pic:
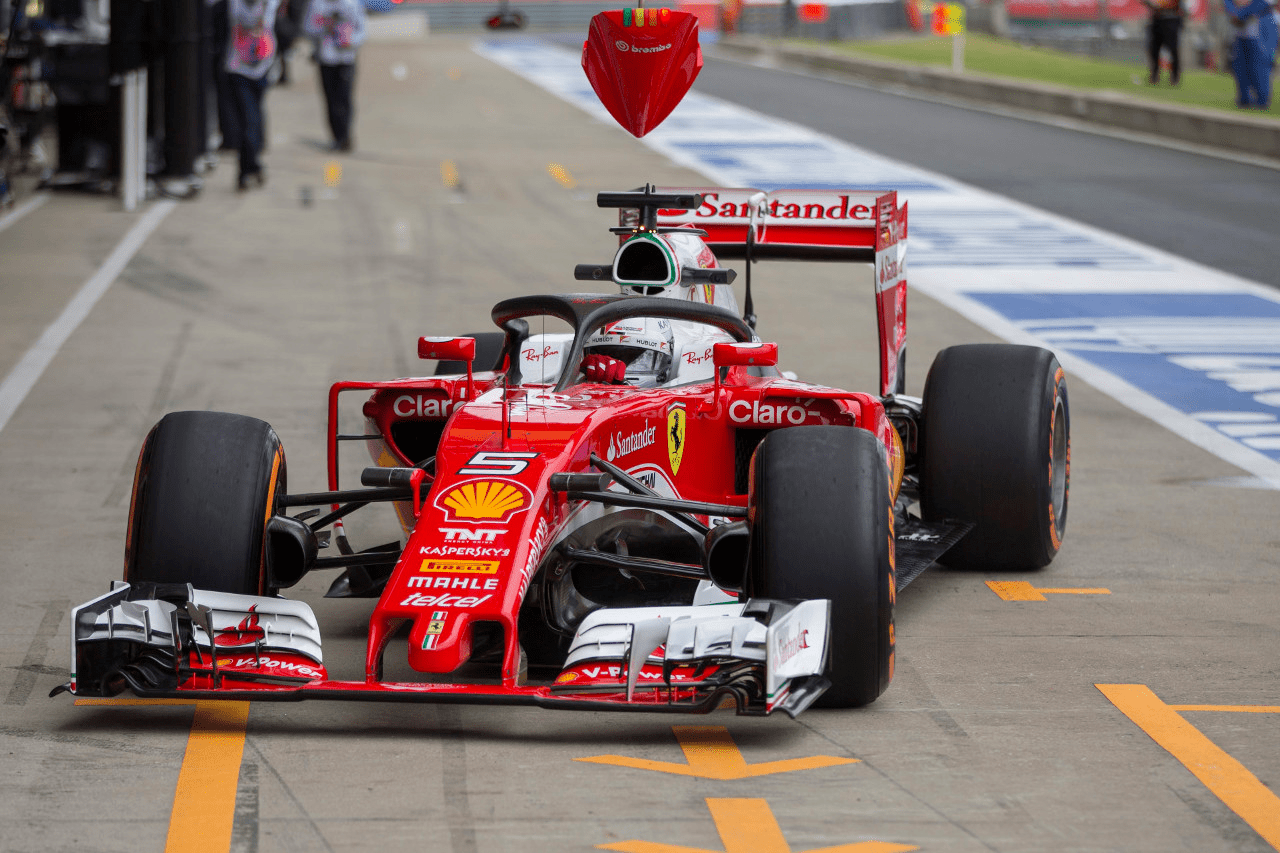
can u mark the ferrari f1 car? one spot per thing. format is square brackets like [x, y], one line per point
[682, 529]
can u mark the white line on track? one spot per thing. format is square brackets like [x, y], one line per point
[33, 203]
[23, 377]
[1263, 467]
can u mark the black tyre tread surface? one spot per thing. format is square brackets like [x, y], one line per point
[488, 354]
[823, 529]
[986, 458]
[201, 502]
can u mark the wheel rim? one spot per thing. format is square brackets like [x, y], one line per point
[1059, 465]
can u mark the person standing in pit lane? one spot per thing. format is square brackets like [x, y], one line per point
[251, 50]
[1252, 51]
[338, 26]
[1163, 33]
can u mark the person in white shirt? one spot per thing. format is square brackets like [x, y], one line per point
[251, 49]
[338, 26]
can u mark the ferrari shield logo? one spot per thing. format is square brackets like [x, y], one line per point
[675, 437]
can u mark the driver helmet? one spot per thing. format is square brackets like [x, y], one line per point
[644, 344]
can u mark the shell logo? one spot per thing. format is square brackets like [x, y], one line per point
[484, 501]
[566, 677]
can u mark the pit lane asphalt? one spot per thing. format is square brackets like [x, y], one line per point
[992, 737]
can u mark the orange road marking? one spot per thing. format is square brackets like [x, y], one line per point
[204, 802]
[1228, 779]
[1239, 709]
[710, 753]
[561, 175]
[1023, 591]
[748, 826]
[449, 174]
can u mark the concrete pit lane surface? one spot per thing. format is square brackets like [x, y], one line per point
[1124, 698]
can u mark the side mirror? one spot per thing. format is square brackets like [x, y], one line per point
[744, 355]
[450, 349]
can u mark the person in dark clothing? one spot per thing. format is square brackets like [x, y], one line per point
[251, 50]
[288, 28]
[1163, 33]
[221, 33]
[338, 26]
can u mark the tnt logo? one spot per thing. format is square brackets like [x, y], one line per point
[464, 534]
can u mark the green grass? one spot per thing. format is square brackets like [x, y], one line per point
[989, 55]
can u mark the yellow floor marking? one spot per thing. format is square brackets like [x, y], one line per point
[332, 173]
[449, 174]
[1023, 591]
[748, 826]
[1228, 779]
[204, 802]
[712, 754]
[1239, 709]
[562, 176]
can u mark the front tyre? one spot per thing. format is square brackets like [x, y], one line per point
[822, 527]
[996, 451]
[206, 485]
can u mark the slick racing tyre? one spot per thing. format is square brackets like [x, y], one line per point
[822, 527]
[996, 451]
[488, 355]
[205, 487]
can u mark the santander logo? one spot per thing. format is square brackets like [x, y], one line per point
[792, 646]
[623, 445]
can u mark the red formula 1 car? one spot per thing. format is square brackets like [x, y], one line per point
[638, 511]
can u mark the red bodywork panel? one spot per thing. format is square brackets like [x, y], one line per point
[641, 62]
[489, 515]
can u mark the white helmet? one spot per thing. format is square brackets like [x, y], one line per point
[645, 344]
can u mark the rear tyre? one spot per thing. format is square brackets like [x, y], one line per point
[996, 451]
[205, 487]
[822, 527]
[488, 355]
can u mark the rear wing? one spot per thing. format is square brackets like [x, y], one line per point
[814, 225]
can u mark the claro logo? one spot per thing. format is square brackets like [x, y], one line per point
[421, 406]
[743, 412]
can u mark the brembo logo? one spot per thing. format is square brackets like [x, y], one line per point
[623, 47]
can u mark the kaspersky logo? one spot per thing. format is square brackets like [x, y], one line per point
[484, 501]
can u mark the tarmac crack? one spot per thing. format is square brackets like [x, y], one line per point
[453, 748]
[264, 762]
[33, 663]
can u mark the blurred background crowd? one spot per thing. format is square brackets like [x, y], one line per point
[67, 62]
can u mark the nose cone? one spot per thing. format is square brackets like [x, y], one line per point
[641, 62]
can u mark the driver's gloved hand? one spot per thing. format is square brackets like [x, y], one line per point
[601, 368]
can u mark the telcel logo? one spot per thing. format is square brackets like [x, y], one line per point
[742, 412]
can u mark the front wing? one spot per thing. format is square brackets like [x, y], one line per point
[172, 640]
